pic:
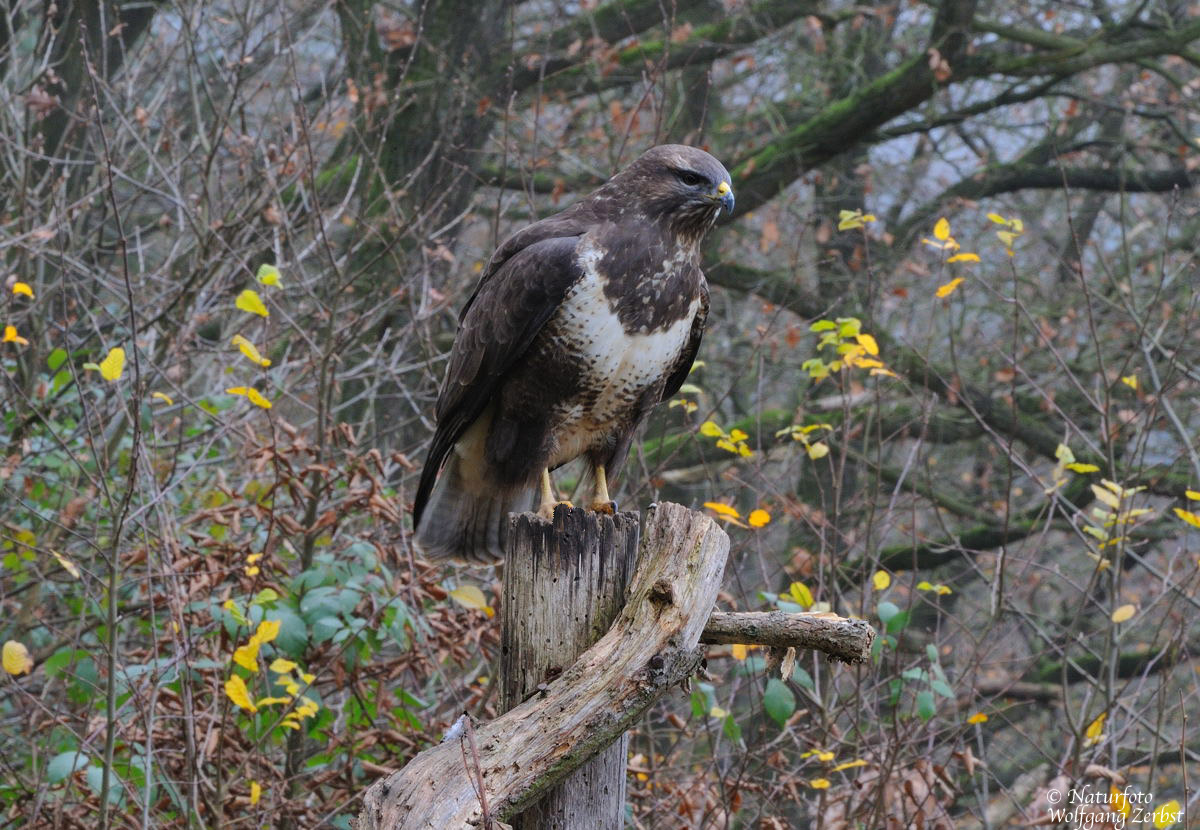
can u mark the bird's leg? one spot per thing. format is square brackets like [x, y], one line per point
[549, 499]
[601, 503]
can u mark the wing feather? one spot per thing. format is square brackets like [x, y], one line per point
[511, 304]
[688, 356]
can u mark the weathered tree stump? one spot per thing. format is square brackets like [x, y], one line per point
[651, 646]
[564, 584]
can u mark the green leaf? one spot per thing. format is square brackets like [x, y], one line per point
[803, 679]
[95, 778]
[823, 325]
[266, 596]
[778, 701]
[65, 764]
[942, 688]
[887, 611]
[926, 707]
[56, 359]
[931, 652]
[731, 729]
[326, 628]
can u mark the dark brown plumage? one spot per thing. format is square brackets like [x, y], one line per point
[579, 325]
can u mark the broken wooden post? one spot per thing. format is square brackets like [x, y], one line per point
[564, 584]
[653, 645]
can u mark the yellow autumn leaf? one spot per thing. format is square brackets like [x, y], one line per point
[162, 396]
[964, 257]
[723, 510]
[1118, 801]
[236, 691]
[758, 518]
[67, 564]
[251, 394]
[250, 351]
[949, 245]
[1188, 516]
[819, 783]
[281, 666]
[737, 435]
[268, 275]
[255, 792]
[247, 656]
[249, 301]
[801, 595]
[978, 717]
[307, 678]
[817, 450]
[997, 218]
[881, 580]
[849, 765]
[941, 230]
[472, 597]
[1166, 815]
[739, 651]
[1095, 730]
[1125, 612]
[1192, 494]
[1107, 496]
[307, 708]
[718, 712]
[113, 366]
[15, 658]
[22, 288]
[11, 336]
[268, 630]
[711, 430]
[867, 342]
[1077, 467]
[272, 701]
[1131, 381]
[949, 288]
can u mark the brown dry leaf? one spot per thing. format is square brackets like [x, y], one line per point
[770, 235]
[41, 102]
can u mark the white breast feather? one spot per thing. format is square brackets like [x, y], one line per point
[621, 365]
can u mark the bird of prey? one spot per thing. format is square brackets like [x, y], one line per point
[579, 325]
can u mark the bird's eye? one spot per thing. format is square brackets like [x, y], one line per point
[689, 178]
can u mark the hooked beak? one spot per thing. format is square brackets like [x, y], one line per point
[724, 195]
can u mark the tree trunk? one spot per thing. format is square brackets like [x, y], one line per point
[565, 582]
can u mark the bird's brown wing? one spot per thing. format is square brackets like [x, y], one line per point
[686, 358]
[505, 314]
[573, 222]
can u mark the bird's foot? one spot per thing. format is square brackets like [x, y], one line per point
[546, 510]
[608, 508]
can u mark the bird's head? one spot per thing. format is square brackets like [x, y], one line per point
[684, 185]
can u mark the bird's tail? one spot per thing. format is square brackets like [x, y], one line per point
[466, 518]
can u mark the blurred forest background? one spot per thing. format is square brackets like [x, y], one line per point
[234, 238]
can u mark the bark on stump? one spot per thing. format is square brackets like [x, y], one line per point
[565, 582]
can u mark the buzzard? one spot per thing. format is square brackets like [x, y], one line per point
[579, 325]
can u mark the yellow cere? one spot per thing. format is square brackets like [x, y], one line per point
[722, 188]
